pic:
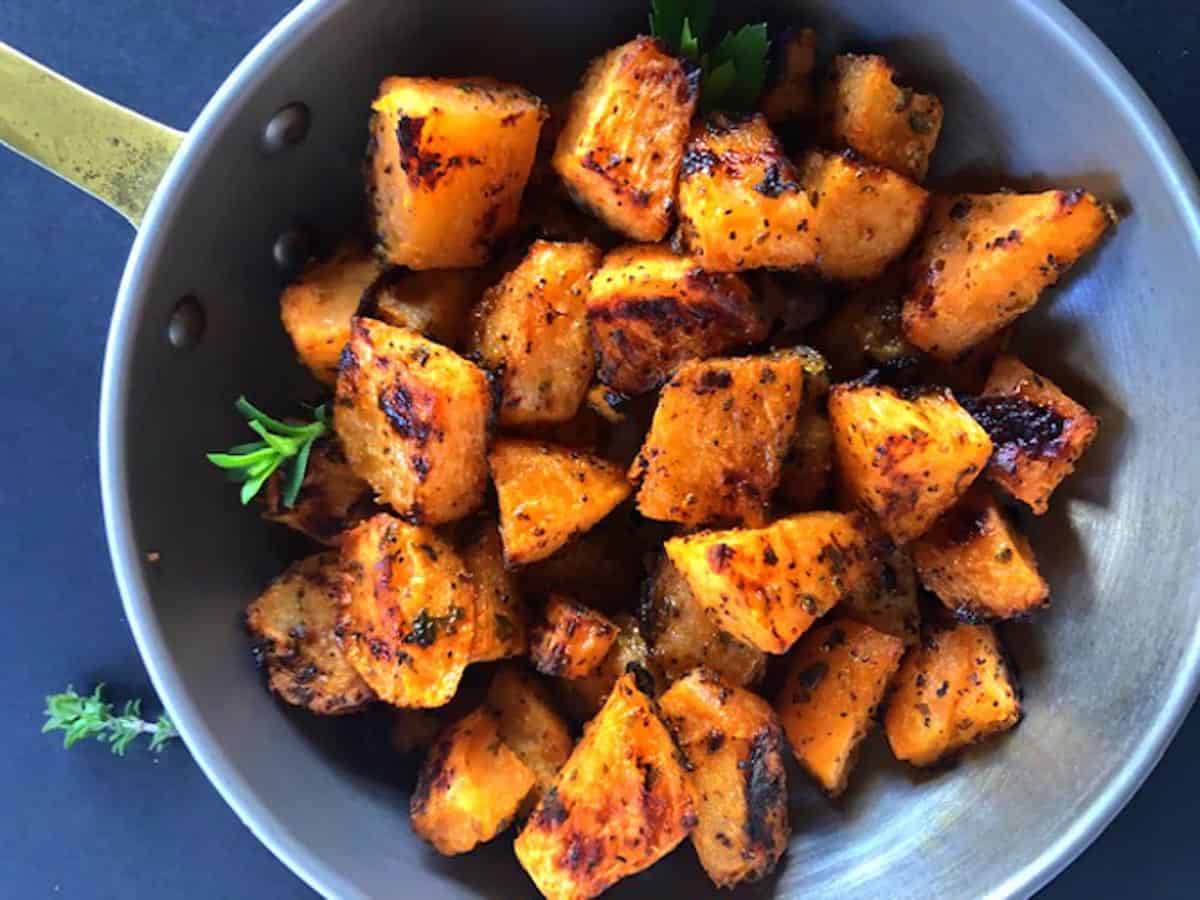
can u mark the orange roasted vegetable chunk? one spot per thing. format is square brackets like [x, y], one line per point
[621, 803]
[720, 432]
[572, 639]
[449, 158]
[293, 627]
[412, 417]
[807, 470]
[893, 608]
[531, 332]
[549, 495]
[530, 725]
[684, 637]
[861, 216]
[583, 697]
[790, 95]
[1038, 431]
[620, 149]
[907, 461]
[470, 786]
[408, 614]
[331, 499]
[500, 615]
[766, 586]
[744, 205]
[978, 564]
[836, 678]
[985, 258]
[869, 112]
[734, 744]
[317, 307]
[953, 689]
[651, 310]
[435, 302]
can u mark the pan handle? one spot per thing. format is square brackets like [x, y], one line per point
[113, 153]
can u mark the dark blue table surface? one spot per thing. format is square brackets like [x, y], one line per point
[83, 824]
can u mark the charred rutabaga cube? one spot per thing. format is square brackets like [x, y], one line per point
[720, 432]
[867, 110]
[622, 802]
[735, 748]
[620, 150]
[331, 499]
[984, 259]
[293, 626]
[531, 332]
[651, 310]
[766, 586]
[409, 612]
[953, 689]
[317, 307]
[449, 158]
[1039, 433]
[906, 460]
[412, 417]
[744, 205]
[501, 620]
[470, 786]
[435, 302]
[531, 725]
[684, 637]
[836, 679]
[549, 495]
[572, 639]
[978, 564]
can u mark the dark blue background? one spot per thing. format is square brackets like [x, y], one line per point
[83, 824]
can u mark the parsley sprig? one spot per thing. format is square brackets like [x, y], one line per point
[252, 464]
[90, 716]
[734, 71]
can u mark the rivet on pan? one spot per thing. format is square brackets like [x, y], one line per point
[287, 127]
[293, 248]
[186, 325]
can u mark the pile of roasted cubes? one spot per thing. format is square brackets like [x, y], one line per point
[590, 419]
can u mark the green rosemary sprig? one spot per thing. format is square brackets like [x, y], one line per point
[252, 464]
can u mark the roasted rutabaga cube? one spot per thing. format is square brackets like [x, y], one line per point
[651, 310]
[766, 586]
[549, 495]
[412, 417]
[985, 258]
[572, 639]
[953, 689]
[977, 563]
[583, 697]
[684, 637]
[893, 609]
[530, 725]
[790, 94]
[449, 158]
[501, 627]
[293, 626]
[735, 748]
[869, 112]
[331, 499]
[317, 307]
[720, 432]
[470, 786]
[744, 205]
[408, 617]
[531, 332]
[836, 679]
[622, 802]
[620, 149]
[905, 460]
[1039, 433]
[435, 302]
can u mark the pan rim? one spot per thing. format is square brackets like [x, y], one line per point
[1049, 16]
